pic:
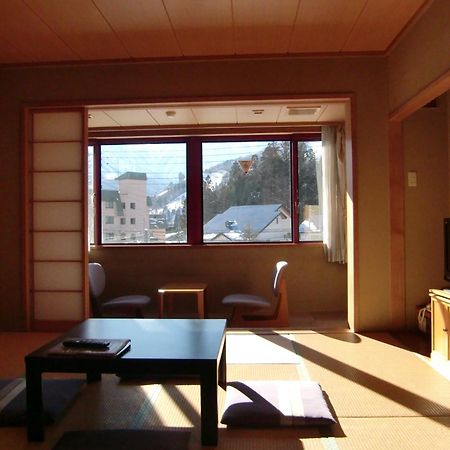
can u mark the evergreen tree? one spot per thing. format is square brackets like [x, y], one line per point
[307, 178]
[268, 181]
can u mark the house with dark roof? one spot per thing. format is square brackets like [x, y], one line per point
[250, 223]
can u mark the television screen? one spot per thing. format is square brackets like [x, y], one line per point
[447, 249]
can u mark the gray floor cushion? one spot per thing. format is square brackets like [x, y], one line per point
[124, 440]
[275, 403]
[57, 395]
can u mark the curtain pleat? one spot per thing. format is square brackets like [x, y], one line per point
[334, 194]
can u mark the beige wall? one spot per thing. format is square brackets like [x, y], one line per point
[227, 270]
[425, 152]
[317, 284]
[422, 56]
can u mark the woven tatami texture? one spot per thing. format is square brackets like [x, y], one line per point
[367, 378]
[412, 433]
[384, 397]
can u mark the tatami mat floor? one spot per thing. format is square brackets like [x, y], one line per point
[384, 395]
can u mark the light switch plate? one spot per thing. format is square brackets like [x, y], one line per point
[412, 178]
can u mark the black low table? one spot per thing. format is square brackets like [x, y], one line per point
[160, 347]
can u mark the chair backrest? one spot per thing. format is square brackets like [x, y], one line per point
[278, 273]
[97, 279]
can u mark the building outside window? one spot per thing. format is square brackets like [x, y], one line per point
[151, 179]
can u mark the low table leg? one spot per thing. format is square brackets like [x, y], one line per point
[35, 410]
[223, 368]
[208, 411]
[93, 376]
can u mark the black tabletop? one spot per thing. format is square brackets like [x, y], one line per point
[174, 339]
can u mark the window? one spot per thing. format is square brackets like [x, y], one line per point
[310, 190]
[151, 179]
[246, 191]
[208, 191]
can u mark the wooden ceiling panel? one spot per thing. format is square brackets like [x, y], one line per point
[25, 36]
[379, 24]
[324, 26]
[81, 26]
[43, 31]
[202, 27]
[9, 53]
[142, 26]
[263, 27]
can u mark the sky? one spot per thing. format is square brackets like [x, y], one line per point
[163, 162]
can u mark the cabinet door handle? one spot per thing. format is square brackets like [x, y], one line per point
[445, 329]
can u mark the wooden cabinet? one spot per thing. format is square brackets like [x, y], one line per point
[440, 325]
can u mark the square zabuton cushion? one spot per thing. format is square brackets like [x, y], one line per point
[275, 403]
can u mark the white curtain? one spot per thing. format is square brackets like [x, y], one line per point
[334, 194]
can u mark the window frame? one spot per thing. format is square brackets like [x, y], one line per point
[194, 185]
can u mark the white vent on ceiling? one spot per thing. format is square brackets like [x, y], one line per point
[303, 110]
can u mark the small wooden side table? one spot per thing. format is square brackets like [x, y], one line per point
[183, 288]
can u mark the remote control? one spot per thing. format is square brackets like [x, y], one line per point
[86, 343]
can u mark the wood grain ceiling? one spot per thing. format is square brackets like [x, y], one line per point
[50, 31]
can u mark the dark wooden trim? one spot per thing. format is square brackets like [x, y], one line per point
[194, 195]
[201, 58]
[85, 224]
[26, 218]
[206, 131]
[295, 194]
[97, 182]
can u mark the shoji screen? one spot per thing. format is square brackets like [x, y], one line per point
[56, 222]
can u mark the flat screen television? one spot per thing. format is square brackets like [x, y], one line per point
[447, 249]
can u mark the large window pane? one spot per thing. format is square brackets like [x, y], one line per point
[143, 193]
[310, 190]
[246, 192]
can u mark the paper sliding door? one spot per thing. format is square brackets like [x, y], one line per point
[56, 287]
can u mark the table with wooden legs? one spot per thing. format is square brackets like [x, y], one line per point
[170, 289]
